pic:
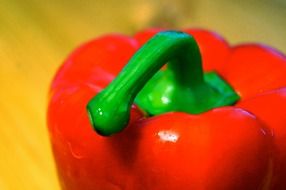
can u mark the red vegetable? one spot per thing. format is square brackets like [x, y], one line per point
[205, 139]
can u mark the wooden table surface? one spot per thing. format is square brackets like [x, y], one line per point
[36, 36]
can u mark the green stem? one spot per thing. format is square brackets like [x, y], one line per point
[109, 110]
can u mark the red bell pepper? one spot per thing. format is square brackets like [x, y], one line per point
[221, 130]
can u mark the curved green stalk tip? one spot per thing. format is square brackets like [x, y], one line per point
[107, 118]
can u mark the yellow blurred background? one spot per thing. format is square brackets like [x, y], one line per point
[36, 36]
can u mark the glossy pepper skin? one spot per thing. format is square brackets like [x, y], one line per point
[226, 148]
